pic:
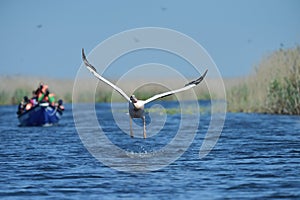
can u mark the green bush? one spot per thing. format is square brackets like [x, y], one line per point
[103, 96]
[238, 98]
[274, 88]
[67, 97]
[18, 95]
[4, 97]
[284, 95]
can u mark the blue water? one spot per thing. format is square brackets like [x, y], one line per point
[256, 157]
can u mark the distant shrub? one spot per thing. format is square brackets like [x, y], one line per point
[284, 95]
[18, 95]
[67, 97]
[103, 96]
[238, 98]
[274, 88]
[4, 97]
[206, 96]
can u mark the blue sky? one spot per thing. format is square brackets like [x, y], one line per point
[44, 38]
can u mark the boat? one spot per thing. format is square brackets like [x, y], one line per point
[42, 114]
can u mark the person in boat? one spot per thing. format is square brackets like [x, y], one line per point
[49, 97]
[44, 95]
[33, 99]
[25, 105]
[60, 106]
[22, 105]
[41, 92]
[29, 105]
[38, 90]
[40, 95]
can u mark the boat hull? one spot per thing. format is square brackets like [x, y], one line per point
[40, 115]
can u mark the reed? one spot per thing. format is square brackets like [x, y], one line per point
[4, 97]
[14, 88]
[273, 87]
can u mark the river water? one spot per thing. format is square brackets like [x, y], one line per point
[257, 156]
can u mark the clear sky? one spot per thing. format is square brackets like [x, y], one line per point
[44, 38]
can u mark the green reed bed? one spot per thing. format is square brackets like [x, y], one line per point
[274, 87]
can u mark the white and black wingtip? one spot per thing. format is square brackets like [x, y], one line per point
[197, 81]
[86, 62]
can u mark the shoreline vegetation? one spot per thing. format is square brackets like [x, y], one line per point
[272, 87]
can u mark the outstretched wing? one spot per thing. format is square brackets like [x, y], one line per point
[94, 72]
[186, 87]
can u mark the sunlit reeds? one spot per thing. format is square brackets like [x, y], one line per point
[274, 86]
[14, 88]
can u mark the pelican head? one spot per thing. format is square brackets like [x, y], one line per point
[133, 99]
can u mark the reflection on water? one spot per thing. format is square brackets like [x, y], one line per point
[257, 156]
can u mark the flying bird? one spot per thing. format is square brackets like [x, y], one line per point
[136, 106]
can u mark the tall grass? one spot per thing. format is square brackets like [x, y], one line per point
[4, 97]
[19, 94]
[14, 88]
[274, 87]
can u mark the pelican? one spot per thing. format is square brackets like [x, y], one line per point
[136, 106]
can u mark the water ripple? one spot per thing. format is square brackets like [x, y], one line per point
[257, 157]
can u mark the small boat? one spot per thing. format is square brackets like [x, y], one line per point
[42, 114]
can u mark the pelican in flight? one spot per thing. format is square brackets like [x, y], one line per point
[136, 106]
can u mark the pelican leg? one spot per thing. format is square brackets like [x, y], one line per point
[130, 122]
[144, 120]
